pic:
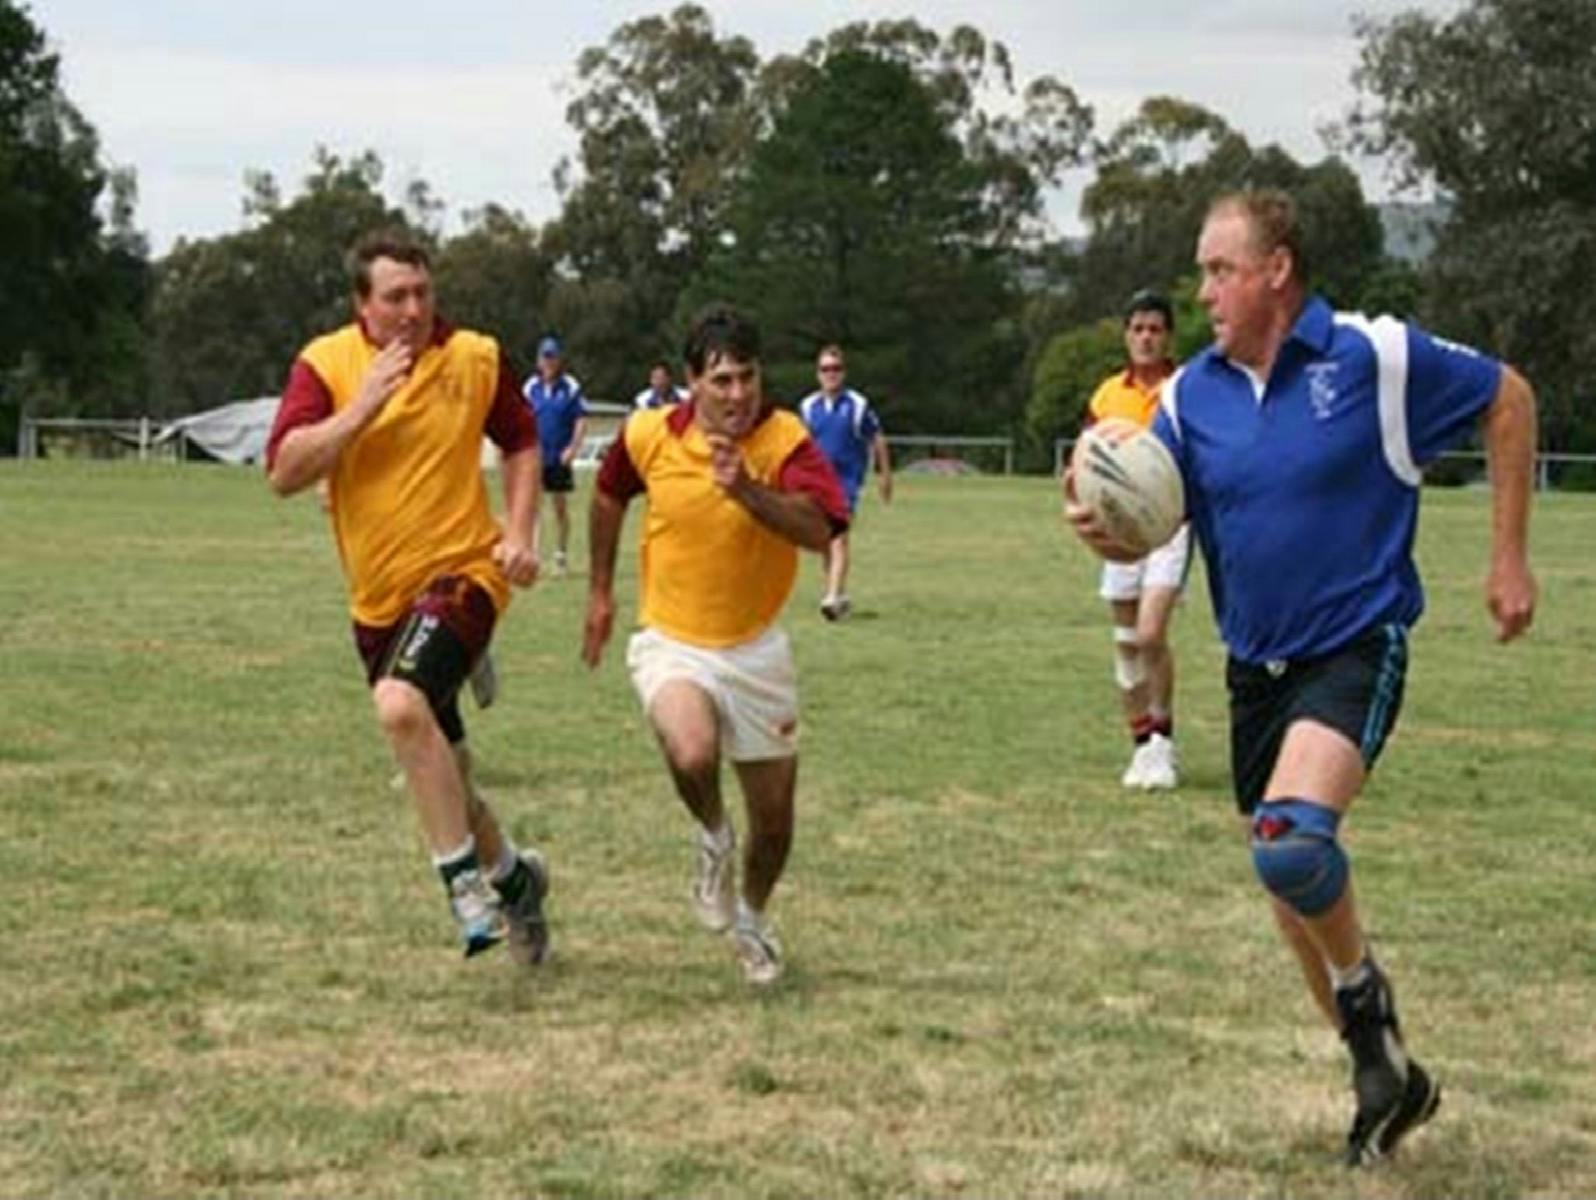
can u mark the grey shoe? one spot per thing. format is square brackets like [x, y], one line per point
[484, 680]
[715, 888]
[758, 951]
[477, 912]
[526, 927]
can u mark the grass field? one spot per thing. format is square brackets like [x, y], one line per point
[226, 968]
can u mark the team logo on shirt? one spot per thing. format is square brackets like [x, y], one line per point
[1322, 388]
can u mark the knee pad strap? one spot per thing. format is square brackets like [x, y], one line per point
[1295, 852]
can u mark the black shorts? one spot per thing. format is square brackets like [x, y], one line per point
[558, 478]
[1356, 690]
[433, 646]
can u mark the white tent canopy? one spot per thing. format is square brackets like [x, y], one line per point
[234, 433]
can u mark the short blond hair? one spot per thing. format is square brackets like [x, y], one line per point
[835, 351]
[1271, 214]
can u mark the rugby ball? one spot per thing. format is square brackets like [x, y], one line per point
[1128, 477]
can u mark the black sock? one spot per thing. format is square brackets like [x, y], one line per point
[452, 868]
[514, 885]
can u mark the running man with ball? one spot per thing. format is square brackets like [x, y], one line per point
[1300, 434]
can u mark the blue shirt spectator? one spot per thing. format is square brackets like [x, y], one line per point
[845, 427]
[557, 403]
[660, 390]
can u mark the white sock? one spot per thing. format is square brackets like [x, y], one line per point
[1352, 977]
[448, 857]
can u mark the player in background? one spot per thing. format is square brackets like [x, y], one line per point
[848, 431]
[735, 488]
[556, 400]
[391, 410]
[1141, 594]
[1300, 434]
[661, 389]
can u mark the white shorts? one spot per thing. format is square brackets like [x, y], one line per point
[753, 686]
[1165, 567]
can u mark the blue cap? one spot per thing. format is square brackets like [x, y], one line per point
[550, 347]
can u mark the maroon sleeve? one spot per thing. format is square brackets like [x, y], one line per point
[305, 401]
[510, 424]
[617, 476]
[807, 470]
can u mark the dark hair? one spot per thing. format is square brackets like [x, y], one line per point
[1272, 216]
[835, 351]
[387, 243]
[720, 331]
[661, 364]
[1147, 300]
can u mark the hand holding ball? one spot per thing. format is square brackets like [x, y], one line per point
[1128, 480]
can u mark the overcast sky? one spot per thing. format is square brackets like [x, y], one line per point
[470, 96]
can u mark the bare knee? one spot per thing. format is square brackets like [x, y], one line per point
[692, 751]
[402, 711]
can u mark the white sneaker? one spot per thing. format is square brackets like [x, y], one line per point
[715, 889]
[757, 948]
[1136, 774]
[1160, 773]
[476, 911]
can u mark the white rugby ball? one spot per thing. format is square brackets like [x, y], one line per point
[1129, 478]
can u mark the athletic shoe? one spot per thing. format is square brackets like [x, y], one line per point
[1158, 772]
[715, 889]
[559, 564]
[484, 681]
[757, 949]
[1394, 1094]
[1135, 776]
[1374, 1137]
[836, 608]
[477, 912]
[526, 928]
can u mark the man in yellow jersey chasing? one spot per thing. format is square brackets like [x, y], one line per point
[391, 410]
[735, 487]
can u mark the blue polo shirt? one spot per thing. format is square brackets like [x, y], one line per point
[844, 429]
[558, 407]
[1303, 489]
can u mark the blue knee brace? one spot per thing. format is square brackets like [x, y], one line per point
[1295, 851]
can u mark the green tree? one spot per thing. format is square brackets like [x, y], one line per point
[665, 122]
[496, 277]
[1075, 361]
[1495, 109]
[669, 116]
[1157, 174]
[1067, 374]
[862, 220]
[1021, 141]
[229, 313]
[71, 339]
